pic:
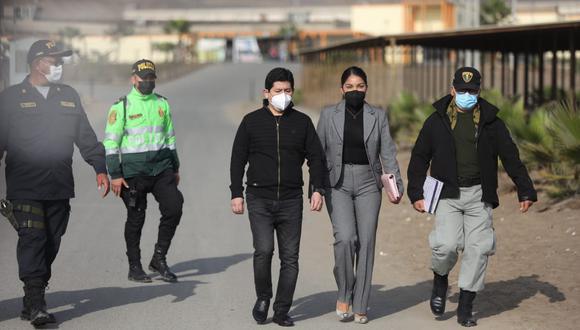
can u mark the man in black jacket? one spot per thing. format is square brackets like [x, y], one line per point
[461, 141]
[40, 122]
[275, 140]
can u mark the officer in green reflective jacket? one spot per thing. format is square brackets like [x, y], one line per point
[141, 159]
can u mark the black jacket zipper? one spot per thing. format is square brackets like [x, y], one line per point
[278, 118]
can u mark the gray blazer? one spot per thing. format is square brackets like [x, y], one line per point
[381, 150]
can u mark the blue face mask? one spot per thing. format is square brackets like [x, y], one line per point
[465, 100]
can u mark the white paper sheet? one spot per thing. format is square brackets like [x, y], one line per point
[431, 191]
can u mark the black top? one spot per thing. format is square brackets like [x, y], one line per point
[464, 136]
[275, 148]
[39, 135]
[354, 151]
[435, 148]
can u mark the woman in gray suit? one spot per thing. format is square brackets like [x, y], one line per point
[359, 148]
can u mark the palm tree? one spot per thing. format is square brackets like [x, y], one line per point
[165, 47]
[68, 33]
[406, 115]
[181, 27]
[493, 11]
[566, 131]
[119, 30]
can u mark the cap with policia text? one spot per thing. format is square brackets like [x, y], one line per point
[144, 68]
[467, 78]
[43, 48]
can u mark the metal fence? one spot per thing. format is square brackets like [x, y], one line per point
[535, 62]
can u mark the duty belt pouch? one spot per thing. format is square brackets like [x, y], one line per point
[30, 216]
[135, 193]
[7, 210]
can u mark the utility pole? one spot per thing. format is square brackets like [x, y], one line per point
[4, 67]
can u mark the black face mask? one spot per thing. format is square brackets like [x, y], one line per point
[354, 99]
[146, 87]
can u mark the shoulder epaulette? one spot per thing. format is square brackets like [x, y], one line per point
[161, 96]
[121, 99]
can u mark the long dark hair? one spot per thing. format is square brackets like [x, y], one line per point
[353, 71]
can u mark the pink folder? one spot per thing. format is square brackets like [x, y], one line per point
[390, 185]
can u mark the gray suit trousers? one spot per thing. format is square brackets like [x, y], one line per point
[463, 224]
[354, 206]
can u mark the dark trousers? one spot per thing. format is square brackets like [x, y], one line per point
[285, 218]
[37, 248]
[164, 189]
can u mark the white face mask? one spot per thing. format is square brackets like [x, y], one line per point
[55, 73]
[281, 101]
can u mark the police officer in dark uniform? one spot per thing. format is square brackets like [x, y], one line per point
[40, 122]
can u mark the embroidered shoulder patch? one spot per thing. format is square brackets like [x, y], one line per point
[113, 117]
[161, 113]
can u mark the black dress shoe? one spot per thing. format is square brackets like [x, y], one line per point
[283, 320]
[465, 309]
[260, 311]
[468, 323]
[439, 294]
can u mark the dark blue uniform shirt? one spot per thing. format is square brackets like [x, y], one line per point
[38, 136]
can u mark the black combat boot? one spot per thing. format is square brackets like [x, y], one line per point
[465, 309]
[137, 274]
[159, 264]
[34, 303]
[439, 294]
[25, 313]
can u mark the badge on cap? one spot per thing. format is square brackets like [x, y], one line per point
[145, 66]
[50, 44]
[467, 76]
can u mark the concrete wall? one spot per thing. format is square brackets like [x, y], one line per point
[431, 20]
[127, 49]
[302, 14]
[378, 19]
[543, 16]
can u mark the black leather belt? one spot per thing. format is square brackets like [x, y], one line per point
[468, 182]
